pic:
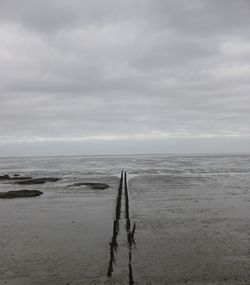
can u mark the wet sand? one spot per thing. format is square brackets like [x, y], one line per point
[58, 238]
[190, 229]
[196, 234]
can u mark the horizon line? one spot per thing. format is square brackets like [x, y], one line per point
[129, 154]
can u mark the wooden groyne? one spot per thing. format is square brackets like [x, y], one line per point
[123, 185]
[113, 243]
[119, 199]
[126, 202]
[130, 233]
[131, 278]
[111, 261]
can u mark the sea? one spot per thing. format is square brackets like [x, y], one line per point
[191, 218]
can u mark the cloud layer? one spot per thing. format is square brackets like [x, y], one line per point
[117, 70]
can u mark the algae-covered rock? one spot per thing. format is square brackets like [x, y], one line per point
[20, 178]
[93, 185]
[14, 177]
[4, 177]
[97, 186]
[38, 180]
[20, 194]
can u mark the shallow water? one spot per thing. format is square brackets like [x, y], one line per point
[191, 212]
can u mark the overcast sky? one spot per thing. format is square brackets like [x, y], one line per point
[124, 76]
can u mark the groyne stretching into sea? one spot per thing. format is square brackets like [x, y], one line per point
[130, 230]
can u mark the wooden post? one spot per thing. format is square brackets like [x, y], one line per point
[119, 198]
[131, 279]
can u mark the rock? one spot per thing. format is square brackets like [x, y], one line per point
[4, 177]
[78, 184]
[96, 186]
[20, 194]
[15, 177]
[20, 178]
[38, 180]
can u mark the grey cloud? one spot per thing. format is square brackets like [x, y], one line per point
[56, 15]
[92, 69]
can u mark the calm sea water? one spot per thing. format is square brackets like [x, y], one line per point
[192, 214]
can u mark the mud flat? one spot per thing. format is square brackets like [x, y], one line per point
[191, 230]
[192, 223]
[58, 238]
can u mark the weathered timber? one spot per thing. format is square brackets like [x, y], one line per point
[131, 278]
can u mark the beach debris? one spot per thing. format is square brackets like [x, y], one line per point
[38, 180]
[20, 194]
